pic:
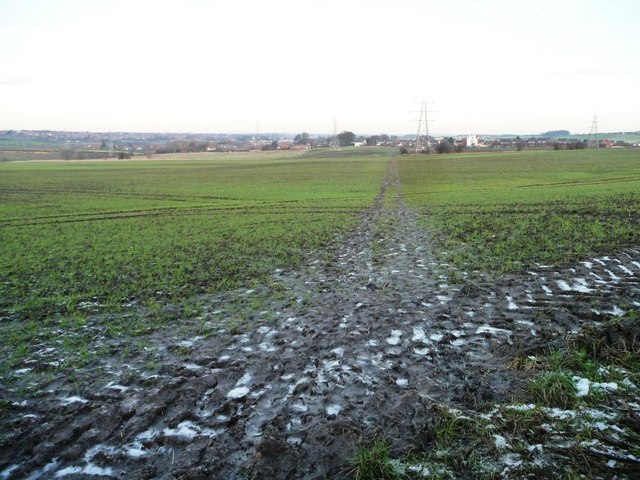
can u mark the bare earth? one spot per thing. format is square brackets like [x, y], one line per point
[362, 340]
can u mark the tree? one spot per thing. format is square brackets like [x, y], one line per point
[301, 139]
[445, 145]
[346, 138]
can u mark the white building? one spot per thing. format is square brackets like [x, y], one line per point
[472, 140]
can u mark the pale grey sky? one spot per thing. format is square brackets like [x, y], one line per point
[494, 66]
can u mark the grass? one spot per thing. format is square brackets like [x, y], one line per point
[373, 462]
[135, 242]
[507, 212]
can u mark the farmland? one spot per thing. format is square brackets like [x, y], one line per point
[350, 313]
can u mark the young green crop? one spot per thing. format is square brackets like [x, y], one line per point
[104, 234]
[506, 212]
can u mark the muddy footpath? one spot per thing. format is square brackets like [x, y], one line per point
[358, 342]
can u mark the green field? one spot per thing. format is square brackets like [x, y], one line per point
[111, 233]
[506, 212]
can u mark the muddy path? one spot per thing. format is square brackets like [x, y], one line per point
[361, 340]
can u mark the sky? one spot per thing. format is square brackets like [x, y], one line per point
[247, 66]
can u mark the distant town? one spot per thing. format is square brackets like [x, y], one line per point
[49, 144]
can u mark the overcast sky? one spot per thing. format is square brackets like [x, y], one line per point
[494, 66]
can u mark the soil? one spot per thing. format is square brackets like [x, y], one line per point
[285, 380]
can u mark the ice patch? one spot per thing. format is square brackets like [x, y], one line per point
[373, 343]
[436, 337]
[637, 264]
[421, 351]
[458, 342]
[547, 290]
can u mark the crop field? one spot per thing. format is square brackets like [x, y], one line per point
[508, 212]
[345, 314]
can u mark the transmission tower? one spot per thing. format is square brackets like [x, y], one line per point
[423, 143]
[593, 133]
[335, 142]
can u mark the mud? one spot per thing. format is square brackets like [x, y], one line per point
[284, 380]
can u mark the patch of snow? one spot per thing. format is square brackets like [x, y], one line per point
[443, 299]
[547, 290]
[394, 339]
[492, 330]
[421, 351]
[419, 335]
[617, 311]
[294, 441]
[186, 429]
[625, 269]
[245, 379]
[89, 469]
[589, 265]
[582, 386]
[238, 392]
[114, 386]
[613, 276]
[6, 473]
[373, 343]
[500, 441]
[333, 410]
[73, 399]
[436, 337]
[402, 382]
[511, 305]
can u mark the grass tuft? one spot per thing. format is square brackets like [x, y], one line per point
[373, 462]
